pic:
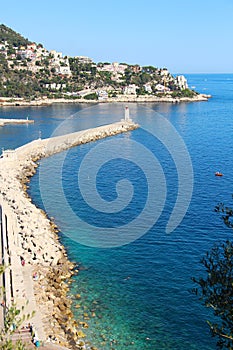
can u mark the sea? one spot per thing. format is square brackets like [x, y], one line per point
[136, 211]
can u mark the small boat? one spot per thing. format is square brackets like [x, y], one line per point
[218, 173]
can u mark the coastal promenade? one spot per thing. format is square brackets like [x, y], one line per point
[29, 244]
[16, 278]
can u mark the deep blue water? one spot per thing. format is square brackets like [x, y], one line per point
[139, 293]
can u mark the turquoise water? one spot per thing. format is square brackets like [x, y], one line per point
[139, 293]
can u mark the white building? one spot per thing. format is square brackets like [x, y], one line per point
[161, 88]
[27, 54]
[63, 70]
[32, 46]
[102, 95]
[41, 52]
[61, 65]
[148, 88]
[181, 82]
[54, 86]
[84, 59]
[114, 67]
[130, 89]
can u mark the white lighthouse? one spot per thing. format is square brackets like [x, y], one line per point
[127, 118]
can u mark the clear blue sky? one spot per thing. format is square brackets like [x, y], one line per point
[183, 35]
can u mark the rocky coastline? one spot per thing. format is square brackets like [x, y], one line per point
[36, 236]
[120, 99]
[38, 244]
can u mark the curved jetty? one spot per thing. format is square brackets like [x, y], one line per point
[38, 265]
[15, 121]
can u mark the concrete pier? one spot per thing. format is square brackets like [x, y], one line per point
[15, 121]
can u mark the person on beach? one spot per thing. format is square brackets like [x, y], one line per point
[35, 276]
[3, 304]
[22, 261]
[36, 342]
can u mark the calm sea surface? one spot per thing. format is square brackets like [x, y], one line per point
[137, 296]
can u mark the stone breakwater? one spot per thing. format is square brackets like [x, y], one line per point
[15, 121]
[33, 238]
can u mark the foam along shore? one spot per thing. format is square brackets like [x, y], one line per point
[15, 121]
[119, 99]
[32, 238]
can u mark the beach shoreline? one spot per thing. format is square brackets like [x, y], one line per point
[4, 102]
[35, 237]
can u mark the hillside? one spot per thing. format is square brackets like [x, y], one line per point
[13, 38]
[30, 71]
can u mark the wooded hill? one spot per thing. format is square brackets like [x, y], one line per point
[13, 38]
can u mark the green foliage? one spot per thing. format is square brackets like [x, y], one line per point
[128, 75]
[91, 97]
[183, 93]
[18, 87]
[149, 69]
[11, 50]
[141, 91]
[106, 77]
[141, 78]
[12, 322]
[215, 290]
[227, 214]
[112, 94]
[13, 38]
[72, 97]
[145, 78]
[8, 345]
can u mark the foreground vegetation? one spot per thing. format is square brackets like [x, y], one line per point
[215, 290]
[13, 320]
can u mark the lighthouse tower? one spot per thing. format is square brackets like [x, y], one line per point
[127, 118]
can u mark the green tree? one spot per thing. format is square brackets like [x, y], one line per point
[215, 290]
[12, 321]
[184, 93]
[13, 38]
[145, 78]
[92, 96]
[141, 91]
[128, 75]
